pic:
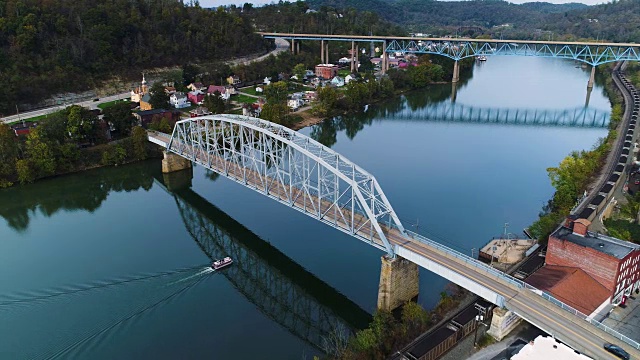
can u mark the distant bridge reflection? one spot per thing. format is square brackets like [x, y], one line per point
[282, 289]
[454, 112]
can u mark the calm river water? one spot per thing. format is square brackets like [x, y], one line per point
[108, 264]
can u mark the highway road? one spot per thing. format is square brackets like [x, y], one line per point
[281, 45]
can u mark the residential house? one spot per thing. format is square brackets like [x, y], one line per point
[146, 117]
[24, 128]
[179, 100]
[310, 96]
[169, 90]
[309, 74]
[295, 104]
[259, 89]
[586, 269]
[349, 78]
[197, 86]
[223, 90]
[234, 80]
[199, 111]
[145, 103]
[140, 91]
[344, 60]
[267, 81]
[337, 81]
[326, 71]
[196, 96]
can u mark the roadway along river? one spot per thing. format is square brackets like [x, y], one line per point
[108, 264]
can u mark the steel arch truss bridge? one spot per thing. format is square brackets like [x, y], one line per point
[292, 169]
[590, 53]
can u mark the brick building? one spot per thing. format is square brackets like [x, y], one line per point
[326, 71]
[611, 262]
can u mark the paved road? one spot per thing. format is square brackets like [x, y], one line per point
[281, 45]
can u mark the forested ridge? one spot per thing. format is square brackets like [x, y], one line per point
[615, 21]
[62, 45]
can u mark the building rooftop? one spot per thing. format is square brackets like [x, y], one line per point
[568, 284]
[547, 348]
[605, 244]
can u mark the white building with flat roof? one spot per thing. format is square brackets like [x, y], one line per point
[547, 348]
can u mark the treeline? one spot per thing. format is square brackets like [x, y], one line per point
[67, 141]
[614, 21]
[48, 47]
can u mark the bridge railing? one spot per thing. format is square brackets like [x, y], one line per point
[521, 284]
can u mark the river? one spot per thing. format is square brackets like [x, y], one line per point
[110, 264]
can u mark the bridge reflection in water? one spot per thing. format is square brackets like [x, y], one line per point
[283, 290]
[454, 112]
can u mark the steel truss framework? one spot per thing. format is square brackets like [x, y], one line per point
[292, 169]
[452, 112]
[592, 53]
[277, 296]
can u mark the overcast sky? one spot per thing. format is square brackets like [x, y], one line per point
[214, 3]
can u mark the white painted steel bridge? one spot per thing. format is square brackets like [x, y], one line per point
[299, 172]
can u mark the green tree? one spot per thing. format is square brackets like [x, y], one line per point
[120, 115]
[299, 71]
[189, 73]
[276, 109]
[415, 318]
[139, 138]
[8, 155]
[81, 124]
[41, 154]
[327, 101]
[25, 170]
[215, 103]
[159, 99]
[165, 126]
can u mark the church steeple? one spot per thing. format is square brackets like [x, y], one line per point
[144, 87]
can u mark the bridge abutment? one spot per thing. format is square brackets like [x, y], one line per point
[173, 162]
[398, 283]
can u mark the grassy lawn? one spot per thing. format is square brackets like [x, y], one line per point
[187, 109]
[32, 119]
[110, 103]
[250, 90]
[343, 72]
[241, 98]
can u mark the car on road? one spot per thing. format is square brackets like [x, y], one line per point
[617, 351]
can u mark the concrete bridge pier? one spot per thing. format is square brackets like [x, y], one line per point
[353, 54]
[322, 52]
[456, 72]
[293, 46]
[398, 283]
[586, 102]
[326, 53]
[592, 77]
[173, 162]
[385, 60]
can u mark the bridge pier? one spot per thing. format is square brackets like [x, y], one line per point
[353, 54]
[326, 53]
[173, 162]
[322, 52]
[592, 77]
[398, 283]
[454, 91]
[293, 46]
[384, 57]
[456, 72]
[586, 102]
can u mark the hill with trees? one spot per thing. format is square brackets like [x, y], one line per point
[62, 45]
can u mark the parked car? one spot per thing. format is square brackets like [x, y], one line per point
[617, 351]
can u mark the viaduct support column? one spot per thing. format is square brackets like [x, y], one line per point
[357, 59]
[353, 54]
[298, 47]
[293, 46]
[398, 283]
[384, 57]
[173, 162]
[322, 52]
[592, 77]
[456, 72]
[326, 53]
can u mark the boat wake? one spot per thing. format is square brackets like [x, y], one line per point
[207, 270]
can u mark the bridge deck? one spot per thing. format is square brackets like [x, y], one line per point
[564, 325]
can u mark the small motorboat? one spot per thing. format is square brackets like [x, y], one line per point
[481, 58]
[219, 264]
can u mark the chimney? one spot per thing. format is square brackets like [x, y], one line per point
[581, 226]
[569, 220]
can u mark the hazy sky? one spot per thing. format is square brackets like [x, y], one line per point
[214, 3]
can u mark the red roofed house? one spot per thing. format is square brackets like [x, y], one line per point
[196, 96]
[584, 263]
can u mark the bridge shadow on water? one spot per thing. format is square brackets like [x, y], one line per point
[282, 289]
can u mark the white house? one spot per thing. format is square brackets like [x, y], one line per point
[348, 78]
[337, 81]
[179, 100]
[259, 89]
[267, 80]
[344, 60]
[295, 104]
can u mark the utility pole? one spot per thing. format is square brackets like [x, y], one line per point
[479, 318]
